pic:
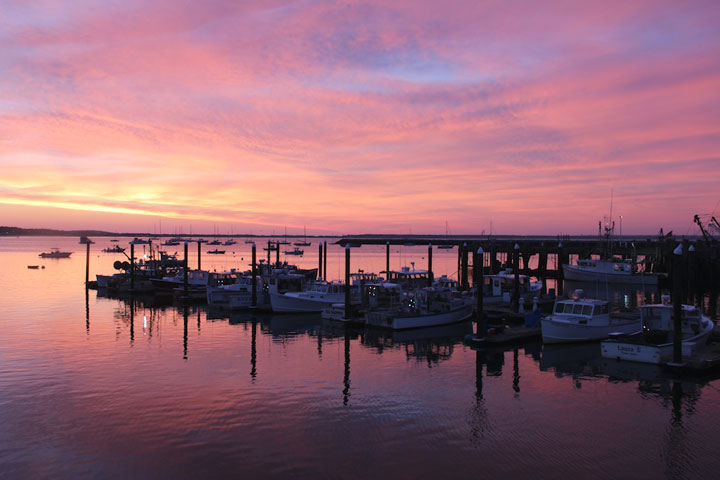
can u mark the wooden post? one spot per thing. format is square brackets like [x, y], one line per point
[542, 266]
[185, 272]
[516, 287]
[347, 282]
[269, 251]
[253, 301]
[677, 267]
[560, 273]
[493, 259]
[199, 253]
[132, 266]
[430, 270]
[387, 258]
[459, 265]
[320, 260]
[479, 280]
[465, 266]
[87, 263]
[277, 253]
[692, 275]
[686, 265]
[325, 260]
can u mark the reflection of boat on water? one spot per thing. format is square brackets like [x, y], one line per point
[292, 323]
[55, 253]
[654, 344]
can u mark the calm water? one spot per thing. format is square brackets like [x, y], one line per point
[103, 388]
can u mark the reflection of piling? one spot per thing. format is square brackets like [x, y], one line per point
[325, 260]
[87, 310]
[430, 270]
[346, 376]
[253, 349]
[254, 277]
[132, 320]
[387, 258]
[677, 268]
[132, 267]
[320, 265]
[347, 281]
[199, 254]
[185, 275]
[479, 280]
[87, 264]
[185, 327]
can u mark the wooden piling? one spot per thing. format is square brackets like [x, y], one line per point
[277, 253]
[185, 273]
[677, 268]
[516, 286]
[560, 273]
[87, 264]
[199, 254]
[387, 258]
[320, 261]
[465, 266]
[132, 266]
[269, 250]
[325, 259]
[430, 270]
[253, 301]
[347, 282]
[481, 325]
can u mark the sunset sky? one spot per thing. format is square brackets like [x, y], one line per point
[359, 117]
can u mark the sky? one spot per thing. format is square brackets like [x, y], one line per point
[510, 117]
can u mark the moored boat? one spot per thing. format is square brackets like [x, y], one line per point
[654, 343]
[582, 319]
[609, 270]
[55, 253]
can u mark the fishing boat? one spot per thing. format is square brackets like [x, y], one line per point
[139, 241]
[296, 251]
[215, 242]
[33, 267]
[216, 252]
[316, 297]
[229, 242]
[420, 308]
[55, 253]
[580, 319]
[171, 243]
[654, 343]
[114, 249]
[608, 270]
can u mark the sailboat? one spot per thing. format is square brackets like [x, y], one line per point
[304, 243]
[445, 246]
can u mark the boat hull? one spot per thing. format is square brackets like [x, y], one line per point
[289, 303]
[405, 322]
[572, 272]
[554, 331]
[649, 353]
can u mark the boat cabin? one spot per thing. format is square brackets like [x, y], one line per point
[659, 318]
[408, 278]
[581, 308]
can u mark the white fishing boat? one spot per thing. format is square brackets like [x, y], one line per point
[426, 307]
[316, 297]
[55, 253]
[295, 251]
[611, 271]
[236, 296]
[654, 343]
[582, 319]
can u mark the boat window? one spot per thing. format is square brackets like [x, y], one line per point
[587, 310]
[568, 308]
[577, 309]
[559, 308]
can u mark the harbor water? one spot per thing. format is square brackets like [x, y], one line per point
[98, 387]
